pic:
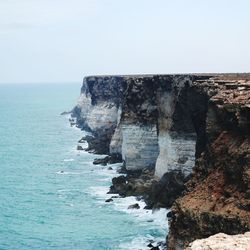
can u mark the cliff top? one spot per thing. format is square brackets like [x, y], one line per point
[221, 76]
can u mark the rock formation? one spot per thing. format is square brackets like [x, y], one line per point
[222, 241]
[190, 131]
[218, 194]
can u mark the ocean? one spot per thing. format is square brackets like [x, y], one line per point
[51, 195]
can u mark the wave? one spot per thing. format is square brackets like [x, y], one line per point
[141, 243]
[67, 160]
[62, 172]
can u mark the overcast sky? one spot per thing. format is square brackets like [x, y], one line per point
[64, 40]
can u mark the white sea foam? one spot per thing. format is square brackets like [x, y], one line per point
[140, 243]
[66, 160]
[100, 192]
[152, 219]
[106, 172]
[61, 172]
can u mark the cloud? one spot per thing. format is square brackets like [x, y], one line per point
[16, 14]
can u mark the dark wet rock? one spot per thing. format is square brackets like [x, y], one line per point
[109, 200]
[139, 198]
[66, 112]
[79, 147]
[110, 159]
[155, 248]
[118, 185]
[169, 214]
[96, 145]
[102, 161]
[82, 140]
[110, 168]
[122, 170]
[115, 197]
[163, 193]
[135, 183]
[134, 206]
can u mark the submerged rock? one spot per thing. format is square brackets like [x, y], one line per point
[79, 147]
[110, 159]
[66, 112]
[82, 140]
[109, 200]
[134, 206]
[133, 184]
[118, 185]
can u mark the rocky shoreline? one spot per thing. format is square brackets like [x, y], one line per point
[184, 141]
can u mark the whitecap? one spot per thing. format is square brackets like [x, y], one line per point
[99, 192]
[155, 220]
[140, 243]
[61, 172]
[66, 160]
[150, 217]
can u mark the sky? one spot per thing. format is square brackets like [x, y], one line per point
[65, 40]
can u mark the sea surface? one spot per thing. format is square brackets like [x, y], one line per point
[51, 195]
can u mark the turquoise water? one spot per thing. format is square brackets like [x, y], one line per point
[42, 208]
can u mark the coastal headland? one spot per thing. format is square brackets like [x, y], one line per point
[184, 141]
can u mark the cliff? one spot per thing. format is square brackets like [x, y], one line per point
[218, 194]
[149, 120]
[184, 136]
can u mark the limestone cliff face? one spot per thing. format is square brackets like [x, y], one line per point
[151, 121]
[98, 108]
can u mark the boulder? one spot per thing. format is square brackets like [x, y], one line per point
[82, 140]
[134, 206]
[109, 200]
[79, 147]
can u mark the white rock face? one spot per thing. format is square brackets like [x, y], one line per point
[103, 114]
[176, 153]
[139, 146]
[84, 104]
[222, 242]
[116, 140]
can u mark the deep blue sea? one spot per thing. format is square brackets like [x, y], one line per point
[44, 208]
